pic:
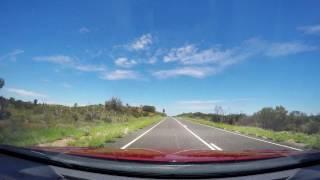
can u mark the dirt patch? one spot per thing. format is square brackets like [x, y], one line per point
[59, 143]
[126, 130]
[293, 143]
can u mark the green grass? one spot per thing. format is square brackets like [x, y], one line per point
[310, 141]
[93, 134]
[98, 135]
[37, 135]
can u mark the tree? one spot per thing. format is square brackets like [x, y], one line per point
[296, 120]
[312, 127]
[2, 83]
[275, 119]
[35, 102]
[219, 111]
[264, 116]
[280, 122]
[114, 104]
[2, 102]
[75, 117]
[12, 100]
[147, 108]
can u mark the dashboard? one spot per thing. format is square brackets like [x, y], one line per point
[19, 168]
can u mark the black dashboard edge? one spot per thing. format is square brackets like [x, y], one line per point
[165, 170]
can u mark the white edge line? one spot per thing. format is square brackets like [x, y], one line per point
[131, 142]
[199, 138]
[215, 146]
[252, 137]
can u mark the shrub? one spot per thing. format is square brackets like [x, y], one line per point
[75, 117]
[114, 104]
[88, 117]
[312, 127]
[4, 115]
[145, 113]
[149, 108]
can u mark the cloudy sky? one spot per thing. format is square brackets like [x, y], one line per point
[190, 56]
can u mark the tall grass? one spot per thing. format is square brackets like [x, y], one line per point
[105, 132]
[83, 134]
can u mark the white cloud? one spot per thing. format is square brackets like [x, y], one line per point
[197, 72]
[141, 43]
[95, 54]
[70, 62]
[314, 29]
[188, 60]
[90, 68]
[180, 54]
[125, 62]
[57, 59]
[287, 48]
[152, 60]
[191, 55]
[12, 56]
[25, 93]
[203, 62]
[66, 85]
[120, 75]
[84, 30]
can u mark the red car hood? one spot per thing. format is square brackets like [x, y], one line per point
[167, 155]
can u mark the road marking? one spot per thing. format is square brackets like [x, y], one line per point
[216, 147]
[131, 142]
[195, 135]
[253, 138]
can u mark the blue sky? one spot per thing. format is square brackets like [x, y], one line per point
[184, 57]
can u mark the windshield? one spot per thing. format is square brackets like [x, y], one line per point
[161, 80]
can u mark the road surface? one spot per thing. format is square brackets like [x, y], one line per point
[178, 134]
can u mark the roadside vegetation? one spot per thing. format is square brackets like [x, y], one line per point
[276, 124]
[30, 123]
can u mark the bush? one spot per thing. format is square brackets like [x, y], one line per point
[107, 119]
[114, 104]
[88, 117]
[4, 115]
[145, 113]
[38, 110]
[151, 109]
[75, 117]
[276, 119]
[312, 127]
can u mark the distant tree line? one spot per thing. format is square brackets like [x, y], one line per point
[112, 111]
[277, 119]
[34, 113]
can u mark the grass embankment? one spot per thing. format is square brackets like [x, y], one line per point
[82, 134]
[98, 135]
[287, 137]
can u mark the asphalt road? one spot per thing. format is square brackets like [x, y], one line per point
[178, 134]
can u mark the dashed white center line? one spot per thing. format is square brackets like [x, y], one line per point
[212, 146]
